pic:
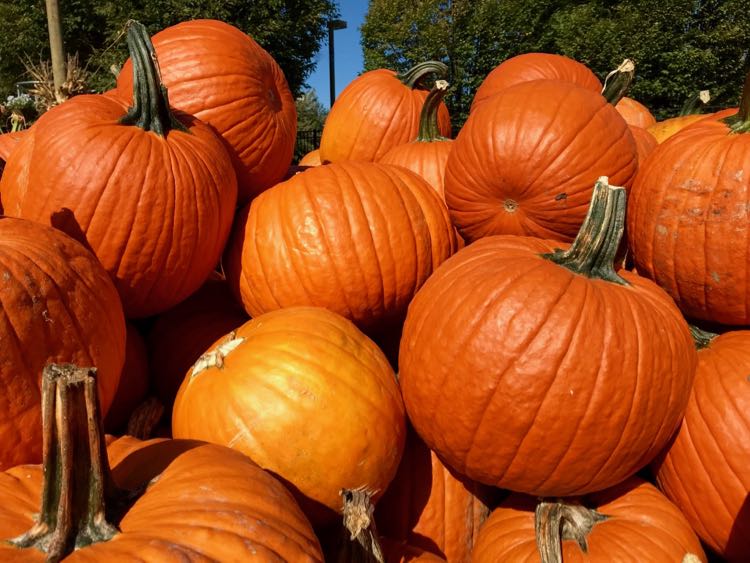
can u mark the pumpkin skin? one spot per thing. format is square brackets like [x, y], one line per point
[644, 141]
[277, 399]
[199, 509]
[570, 403]
[663, 130]
[324, 238]
[56, 304]
[179, 336]
[360, 123]
[430, 508]
[711, 493]
[223, 77]
[8, 142]
[526, 160]
[400, 552]
[688, 199]
[535, 66]
[643, 526]
[311, 159]
[157, 224]
[635, 113]
[134, 381]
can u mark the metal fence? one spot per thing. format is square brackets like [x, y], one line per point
[306, 141]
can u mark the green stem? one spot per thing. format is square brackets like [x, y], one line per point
[76, 474]
[594, 251]
[740, 122]
[694, 104]
[414, 77]
[555, 522]
[617, 83]
[150, 110]
[428, 120]
[701, 337]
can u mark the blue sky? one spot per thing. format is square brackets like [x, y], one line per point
[347, 51]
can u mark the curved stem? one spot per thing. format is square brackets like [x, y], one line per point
[555, 522]
[740, 122]
[428, 120]
[359, 521]
[150, 110]
[694, 104]
[701, 337]
[594, 251]
[77, 477]
[617, 83]
[415, 75]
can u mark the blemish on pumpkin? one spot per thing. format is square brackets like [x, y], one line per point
[715, 277]
[215, 358]
[561, 196]
[510, 205]
[661, 229]
[738, 175]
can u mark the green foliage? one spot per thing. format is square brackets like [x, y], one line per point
[311, 115]
[679, 46]
[291, 30]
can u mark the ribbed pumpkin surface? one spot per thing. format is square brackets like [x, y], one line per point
[635, 113]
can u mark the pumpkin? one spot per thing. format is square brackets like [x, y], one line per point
[688, 200]
[525, 161]
[308, 397]
[152, 192]
[8, 142]
[401, 552]
[630, 522]
[429, 507]
[223, 77]
[311, 159]
[179, 336]
[358, 238]
[690, 113]
[163, 500]
[704, 471]
[590, 380]
[635, 113]
[377, 111]
[644, 141]
[134, 382]
[427, 154]
[535, 66]
[57, 304]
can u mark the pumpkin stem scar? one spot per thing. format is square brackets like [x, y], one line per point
[359, 521]
[77, 481]
[701, 337]
[415, 75]
[595, 249]
[150, 110]
[617, 83]
[740, 121]
[555, 522]
[428, 120]
[215, 358]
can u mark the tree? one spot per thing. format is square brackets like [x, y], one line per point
[680, 46]
[290, 30]
[311, 115]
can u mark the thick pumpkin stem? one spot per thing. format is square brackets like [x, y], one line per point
[359, 521]
[694, 104]
[150, 110]
[701, 337]
[555, 522]
[76, 474]
[414, 77]
[617, 83]
[594, 251]
[428, 120]
[740, 122]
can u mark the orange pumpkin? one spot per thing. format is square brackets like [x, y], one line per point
[535, 66]
[8, 142]
[358, 238]
[644, 141]
[311, 159]
[429, 507]
[377, 111]
[526, 160]
[401, 552]
[164, 500]
[575, 399]
[151, 192]
[57, 304]
[704, 471]
[223, 77]
[630, 522]
[305, 395]
[635, 113]
[690, 113]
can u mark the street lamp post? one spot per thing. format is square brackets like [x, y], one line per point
[332, 26]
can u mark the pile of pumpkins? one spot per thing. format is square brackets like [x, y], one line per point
[405, 348]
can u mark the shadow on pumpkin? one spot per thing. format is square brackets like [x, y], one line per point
[738, 545]
[65, 220]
